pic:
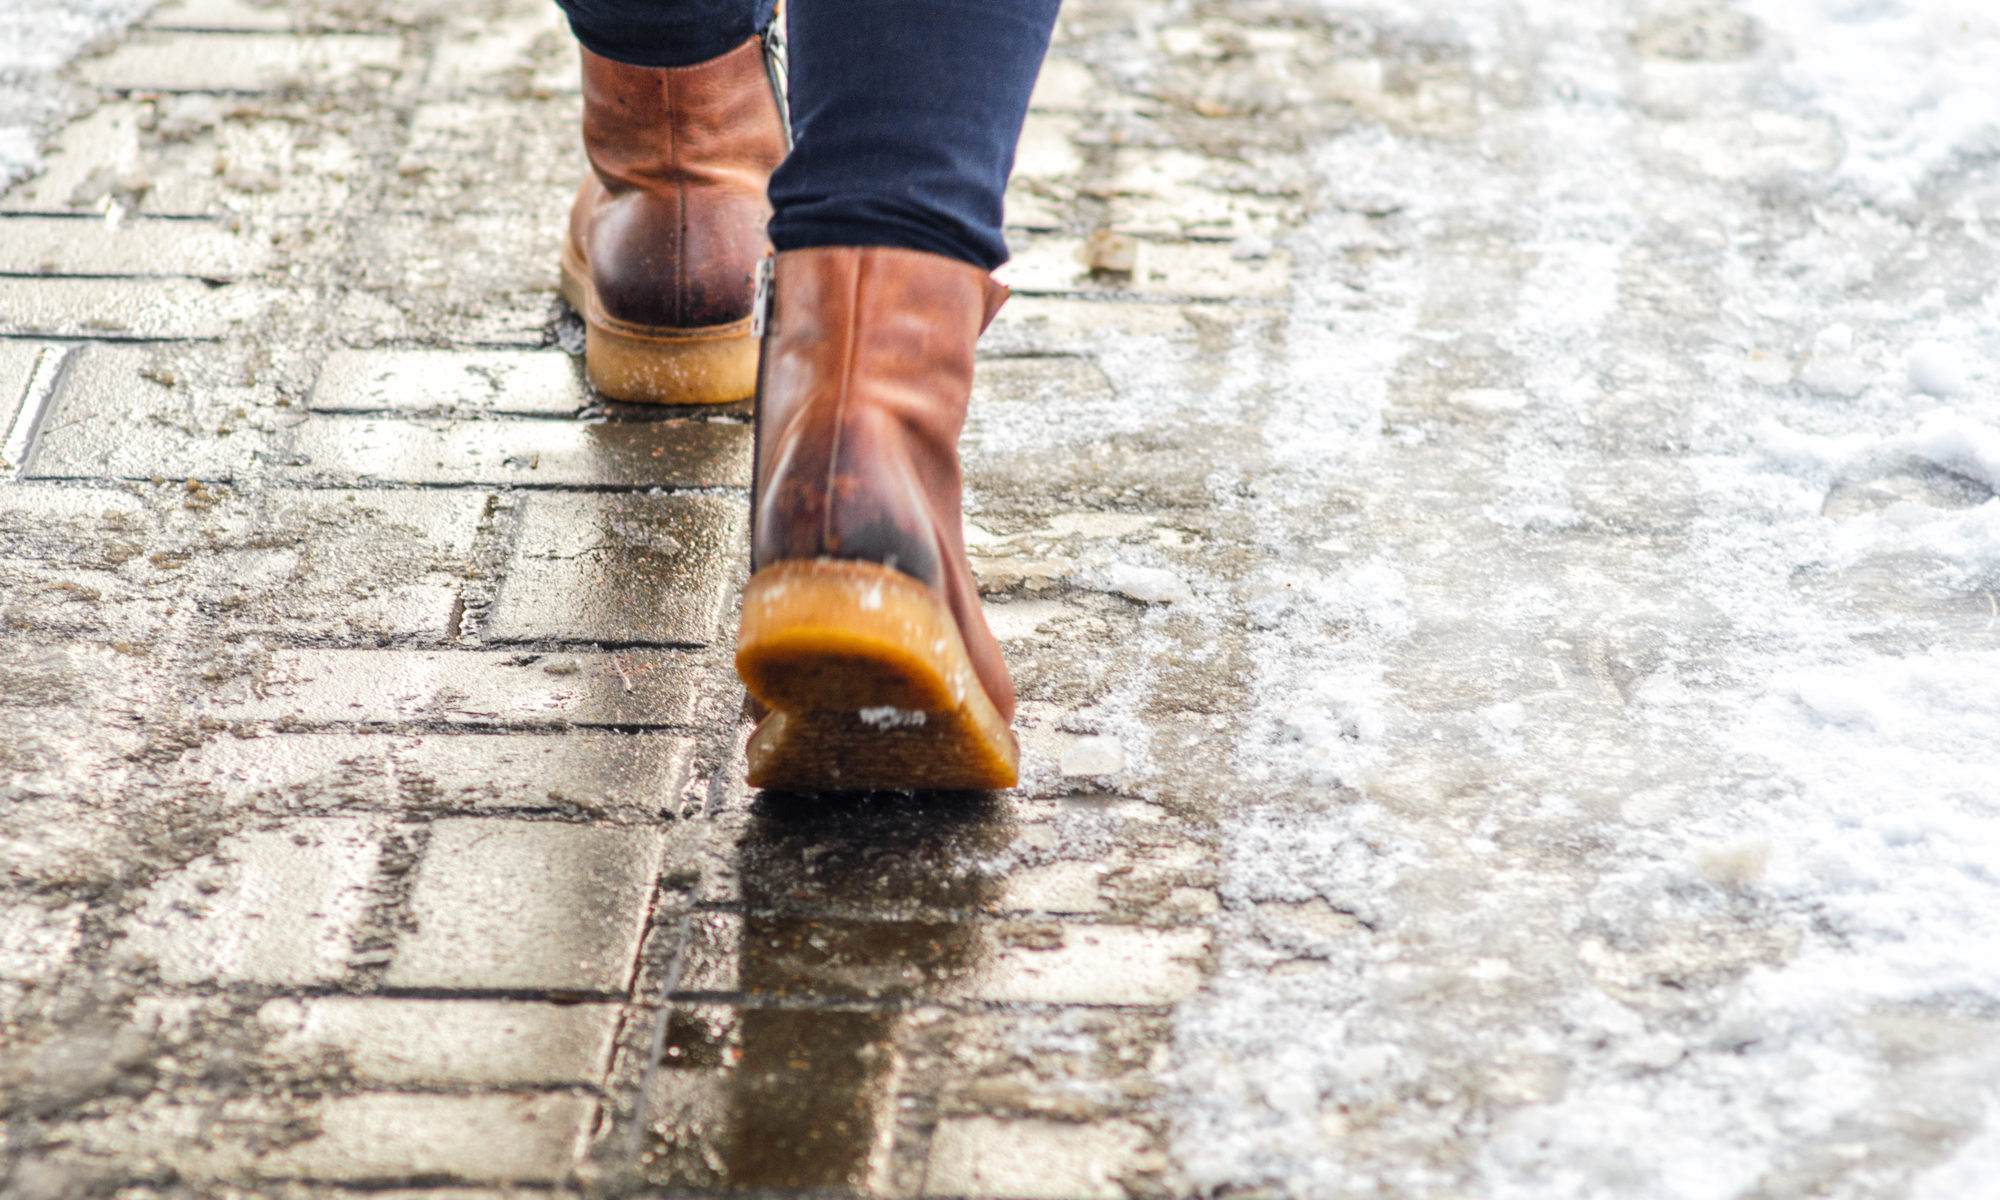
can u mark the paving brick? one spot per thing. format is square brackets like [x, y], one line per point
[1091, 964]
[528, 905]
[128, 308]
[1175, 193]
[356, 566]
[368, 1140]
[218, 14]
[74, 560]
[238, 62]
[1028, 206]
[1032, 1159]
[220, 158]
[103, 143]
[444, 1043]
[1065, 85]
[1040, 193]
[28, 374]
[1039, 325]
[907, 858]
[119, 412]
[786, 956]
[588, 770]
[529, 51]
[1069, 1064]
[1051, 266]
[136, 246]
[1074, 383]
[638, 454]
[1048, 147]
[807, 1106]
[269, 166]
[465, 279]
[448, 382]
[1066, 886]
[394, 687]
[621, 568]
[274, 906]
[36, 942]
[491, 155]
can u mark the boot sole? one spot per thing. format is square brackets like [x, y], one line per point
[868, 684]
[642, 364]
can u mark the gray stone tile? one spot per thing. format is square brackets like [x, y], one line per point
[544, 383]
[332, 449]
[124, 412]
[135, 246]
[621, 569]
[366, 1139]
[221, 157]
[808, 1105]
[1070, 1064]
[354, 566]
[1029, 1159]
[1038, 962]
[275, 906]
[528, 905]
[491, 155]
[466, 278]
[101, 147]
[445, 1043]
[528, 52]
[78, 561]
[219, 14]
[1090, 964]
[239, 62]
[128, 308]
[1065, 85]
[591, 771]
[19, 362]
[304, 688]
[1040, 325]
[1045, 266]
[1048, 147]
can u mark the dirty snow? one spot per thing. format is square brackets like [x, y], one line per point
[1676, 854]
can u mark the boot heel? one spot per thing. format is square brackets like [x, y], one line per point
[868, 682]
[642, 366]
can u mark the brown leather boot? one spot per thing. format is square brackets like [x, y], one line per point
[668, 228]
[862, 631]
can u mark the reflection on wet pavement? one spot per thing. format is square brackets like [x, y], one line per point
[788, 1079]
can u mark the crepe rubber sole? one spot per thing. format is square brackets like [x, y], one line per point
[642, 364]
[868, 685]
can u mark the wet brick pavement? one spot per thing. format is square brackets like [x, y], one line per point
[1410, 539]
[373, 820]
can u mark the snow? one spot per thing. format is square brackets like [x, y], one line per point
[37, 39]
[1546, 765]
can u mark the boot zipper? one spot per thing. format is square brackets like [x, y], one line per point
[760, 304]
[777, 67]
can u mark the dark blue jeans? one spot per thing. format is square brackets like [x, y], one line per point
[905, 113]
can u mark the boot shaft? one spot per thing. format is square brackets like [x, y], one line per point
[867, 369]
[714, 124]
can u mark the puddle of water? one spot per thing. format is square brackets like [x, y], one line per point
[794, 1083]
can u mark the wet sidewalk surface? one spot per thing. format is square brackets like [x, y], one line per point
[1402, 591]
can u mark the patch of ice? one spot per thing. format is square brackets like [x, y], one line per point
[1092, 757]
[1148, 585]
